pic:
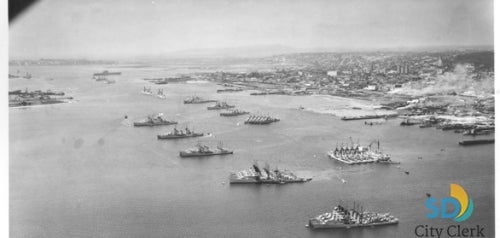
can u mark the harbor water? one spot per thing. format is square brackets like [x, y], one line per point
[81, 169]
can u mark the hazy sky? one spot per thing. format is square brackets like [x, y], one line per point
[105, 28]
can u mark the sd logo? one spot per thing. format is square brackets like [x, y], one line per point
[462, 204]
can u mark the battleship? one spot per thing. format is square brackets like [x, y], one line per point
[178, 134]
[360, 155]
[341, 217]
[233, 113]
[20, 98]
[220, 105]
[154, 120]
[197, 100]
[203, 150]
[260, 120]
[256, 175]
[36, 92]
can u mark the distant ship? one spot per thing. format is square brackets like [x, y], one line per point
[161, 81]
[161, 94]
[407, 122]
[147, 91]
[342, 217]
[233, 113]
[256, 175]
[221, 105]
[203, 150]
[261, 120]
[100, 78]
[156, 120]
[476, 132]
[106, 73]
[259, 93]
[178, 134]
[27, 76]
[226, 90]
[360, 155]
[197, 100]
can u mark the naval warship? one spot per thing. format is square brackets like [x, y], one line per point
[260, 120]
[356, 154]
[154, 120]
[106, 73]
[341, 217]
[233, 113]
[178, 134]
[221, 105]
[197, 100]
[257, 175]
[203, 150]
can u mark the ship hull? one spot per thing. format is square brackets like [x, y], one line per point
[231, 115]
[143, 124]
[172, 137]
[220, 108]
[317, 225]
[185, 154]
[477, 142]
[199, 102]
[259, 122]
[250, 180]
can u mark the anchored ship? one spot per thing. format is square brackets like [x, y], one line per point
[260, 120]
[256, 175]
[203, 150]
[147, 91]
[360, 155]
[178, 134]
[221, 105]
[476, 142]
[106, 73]
[407, 122]
[233, 113]
[154, 120]
[229, 90]
[342, 217]
[476, 132]
[161, 94]
[197, 100]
